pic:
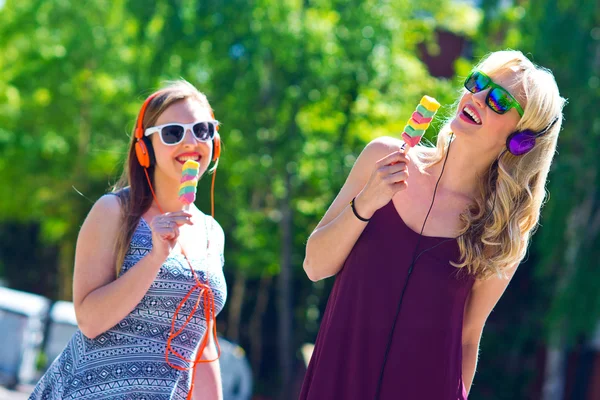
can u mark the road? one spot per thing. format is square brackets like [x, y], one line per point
[21, 394]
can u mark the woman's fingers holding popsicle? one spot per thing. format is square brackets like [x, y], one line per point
[169, 234]
[176, 214]
[390, 169]
[181, 217]
[388, 178]
[177, 218]
[165, 230]
[164, 236]
[397, 176]
[394, 172]
[393, 168]
[392, 159]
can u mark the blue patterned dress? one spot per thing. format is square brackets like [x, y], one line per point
[128, 360]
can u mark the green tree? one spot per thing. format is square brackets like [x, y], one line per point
[58, 136]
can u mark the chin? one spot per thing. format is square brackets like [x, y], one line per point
[455, 126]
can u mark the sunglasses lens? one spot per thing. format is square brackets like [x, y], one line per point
[172, 134]
[476, 82]
[204, 131]
[521, 143]
[499, 100]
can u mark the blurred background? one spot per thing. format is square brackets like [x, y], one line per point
[300, 87]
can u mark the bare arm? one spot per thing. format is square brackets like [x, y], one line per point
[101, 301]
[469, 364]
[483, 298]
[207, 380]
[379, 172]
[207, 383]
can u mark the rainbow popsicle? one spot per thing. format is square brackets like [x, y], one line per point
[189, 181]
[420, 120]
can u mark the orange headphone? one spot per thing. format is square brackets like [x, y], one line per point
[143, 145]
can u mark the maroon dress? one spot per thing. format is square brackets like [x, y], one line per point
[425, 356]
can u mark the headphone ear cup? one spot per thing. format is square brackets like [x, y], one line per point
[520, 142]
[509, 141]
[144, 152]
[216, 150]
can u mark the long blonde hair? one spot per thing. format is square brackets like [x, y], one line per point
[132, 188]
[498, 226]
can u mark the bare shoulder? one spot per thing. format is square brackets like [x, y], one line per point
[382, 146]
[373, 152]
[98, 235]
[95, 256]
[103, 220]
[107, 207]
[385, 145]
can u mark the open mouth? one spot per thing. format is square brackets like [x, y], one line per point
[183, 158]
[471, 115]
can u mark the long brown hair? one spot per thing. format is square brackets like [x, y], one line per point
[132, 189]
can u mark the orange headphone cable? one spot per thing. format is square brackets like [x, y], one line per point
[205, 294]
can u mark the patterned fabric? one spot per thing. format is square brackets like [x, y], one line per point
[128, 360]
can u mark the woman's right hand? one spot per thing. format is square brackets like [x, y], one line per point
[388, 177]
[165, 231]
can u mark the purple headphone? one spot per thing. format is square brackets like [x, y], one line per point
[521, 142]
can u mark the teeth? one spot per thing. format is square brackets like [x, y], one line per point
[472, 114]
[186, 158]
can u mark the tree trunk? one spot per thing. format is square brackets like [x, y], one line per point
[235, 306]
[65, 270]
[554, 372]
[67, 247]
[255, 328]
[284, 298]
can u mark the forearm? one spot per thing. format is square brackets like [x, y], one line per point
[328, 247]
[469, 363]
[207, 382]
[104, 307]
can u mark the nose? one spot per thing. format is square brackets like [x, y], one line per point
[479, 98]
[188, 138]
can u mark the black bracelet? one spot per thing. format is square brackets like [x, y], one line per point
[356, 213]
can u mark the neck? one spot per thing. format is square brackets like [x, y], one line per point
[166, 190]
[463, 171]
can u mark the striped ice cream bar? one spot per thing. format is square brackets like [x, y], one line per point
[189, 182]
[420, 120]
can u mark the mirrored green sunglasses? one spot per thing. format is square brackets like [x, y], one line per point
[498, 98]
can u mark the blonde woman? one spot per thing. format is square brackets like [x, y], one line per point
[143, 265]
[423, 244]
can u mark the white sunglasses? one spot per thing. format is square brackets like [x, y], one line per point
[173, 133]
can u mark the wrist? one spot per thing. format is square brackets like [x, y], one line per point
[360, 210]
[157, 256]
